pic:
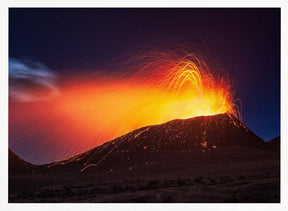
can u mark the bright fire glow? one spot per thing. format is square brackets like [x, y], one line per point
[113, 107]
[92, 111]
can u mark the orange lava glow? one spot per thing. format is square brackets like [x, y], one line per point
[112, 107]
[92, 111]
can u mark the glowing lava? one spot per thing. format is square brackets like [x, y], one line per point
[96, 109]
[157, 93]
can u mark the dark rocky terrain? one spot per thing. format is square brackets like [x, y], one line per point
[18, 165]
[274, 144]
[203, 159]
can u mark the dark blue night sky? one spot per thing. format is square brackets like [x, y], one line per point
[246, 41]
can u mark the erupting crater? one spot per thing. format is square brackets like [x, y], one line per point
[163, 89]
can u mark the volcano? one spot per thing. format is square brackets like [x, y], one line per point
[214, 158]
[200, 135]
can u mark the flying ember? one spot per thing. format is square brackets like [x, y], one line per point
[152, 90]
[151, 87]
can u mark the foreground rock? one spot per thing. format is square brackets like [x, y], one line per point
[203, 159]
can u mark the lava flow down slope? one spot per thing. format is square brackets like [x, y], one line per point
[168, 118]
[153, 88]
[195, 137]
[202, 159]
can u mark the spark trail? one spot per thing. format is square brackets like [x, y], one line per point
[151, 88]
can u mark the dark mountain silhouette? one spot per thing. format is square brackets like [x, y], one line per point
[18, 165]
[274, 144]
[202, 159]
[204, 135]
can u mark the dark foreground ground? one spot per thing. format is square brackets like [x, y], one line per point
[230, 175]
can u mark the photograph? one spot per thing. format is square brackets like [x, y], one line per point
[144, 105]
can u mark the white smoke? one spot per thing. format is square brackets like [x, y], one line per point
[30, 80]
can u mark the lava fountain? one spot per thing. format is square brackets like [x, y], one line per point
[163, 89]
[150, 88]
